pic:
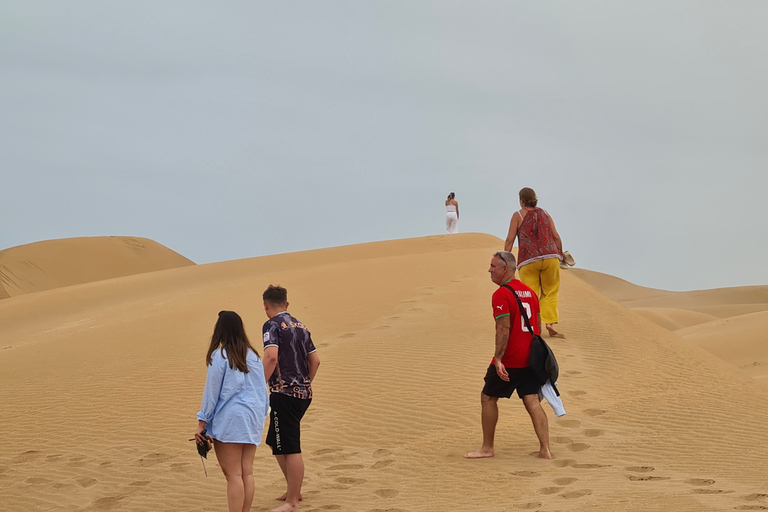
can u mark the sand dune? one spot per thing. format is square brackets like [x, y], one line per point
[727, 322]
[100, 383]
[56, 263]
[739, 340]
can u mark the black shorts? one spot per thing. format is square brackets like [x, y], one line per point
[521, 379]
[284, 435]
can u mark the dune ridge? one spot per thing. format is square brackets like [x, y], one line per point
[101, 400]
[52, 264]
[727, 322]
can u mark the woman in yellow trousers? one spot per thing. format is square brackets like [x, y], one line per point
[540, 252]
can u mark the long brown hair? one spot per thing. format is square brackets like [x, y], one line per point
[528, 197]
[229, 334]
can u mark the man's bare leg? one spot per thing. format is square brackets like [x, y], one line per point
[489, 417]
[281, 462]
[294, 476]
[540, 424]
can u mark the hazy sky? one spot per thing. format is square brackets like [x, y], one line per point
[227, 130]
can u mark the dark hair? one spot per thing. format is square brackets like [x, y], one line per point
[275, 295]
[451, 196]
[229, 334]
[528, 197]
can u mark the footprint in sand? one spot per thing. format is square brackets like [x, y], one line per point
[527, 474]
[591, 466]
[338, 467]
[36, 480]
[577, 393]
[550, 490]
[562, 440]
[572, 372]
[635, 478]
[348, 335]
[381, 328]
[528, 506]
[386, 510]
[381, 452]
[569, 423]
[326, 451]
[103, 504]
[330, 507]
[393, 318]
[751, 507]
[382, 464]
[700, 481]
[53, 458]
[565, 481]
[152, 459]
[592, 432]
[576, 494]
[323, 344]
[755, 497]
[27, 456]
[350, 481]
[640, 469]
[710, 491]
[563, 463]
[578, 447]
[86, 481]
[594, 412]
[108, 463]
[386, 493]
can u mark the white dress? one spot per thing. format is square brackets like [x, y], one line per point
[451, 219]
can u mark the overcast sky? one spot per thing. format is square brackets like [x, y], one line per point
[227, 130]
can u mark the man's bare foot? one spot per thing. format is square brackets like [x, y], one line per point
[544, 455]
[553, 332]
[479, 454]
[285, 495]
[286, 507]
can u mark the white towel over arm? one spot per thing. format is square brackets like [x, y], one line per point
[553, 399]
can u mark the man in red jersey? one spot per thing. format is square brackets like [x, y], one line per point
[509, 368]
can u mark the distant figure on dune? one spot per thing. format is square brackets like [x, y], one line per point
[235, 405]
[451, 214]
[290, 364]
[509, 369]
[540, 252]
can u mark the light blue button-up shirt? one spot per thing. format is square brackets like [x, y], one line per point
[235, 404]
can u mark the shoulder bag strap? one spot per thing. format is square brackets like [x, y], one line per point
[522, 309]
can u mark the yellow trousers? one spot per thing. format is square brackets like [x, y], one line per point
[543, 277]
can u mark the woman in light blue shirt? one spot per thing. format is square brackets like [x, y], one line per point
[235, 404]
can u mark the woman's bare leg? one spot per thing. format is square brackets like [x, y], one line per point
[249, 452]
[230, 456]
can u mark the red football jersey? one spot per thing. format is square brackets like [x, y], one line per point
[505, 304]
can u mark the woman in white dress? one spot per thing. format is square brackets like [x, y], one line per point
[451, 214]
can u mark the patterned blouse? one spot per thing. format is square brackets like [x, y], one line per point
[536, 240]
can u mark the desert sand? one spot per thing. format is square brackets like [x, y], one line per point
[100, 381]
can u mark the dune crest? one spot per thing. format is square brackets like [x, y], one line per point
[726, 322]
[52, 264]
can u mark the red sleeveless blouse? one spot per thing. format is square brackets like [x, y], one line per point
[535, 238]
